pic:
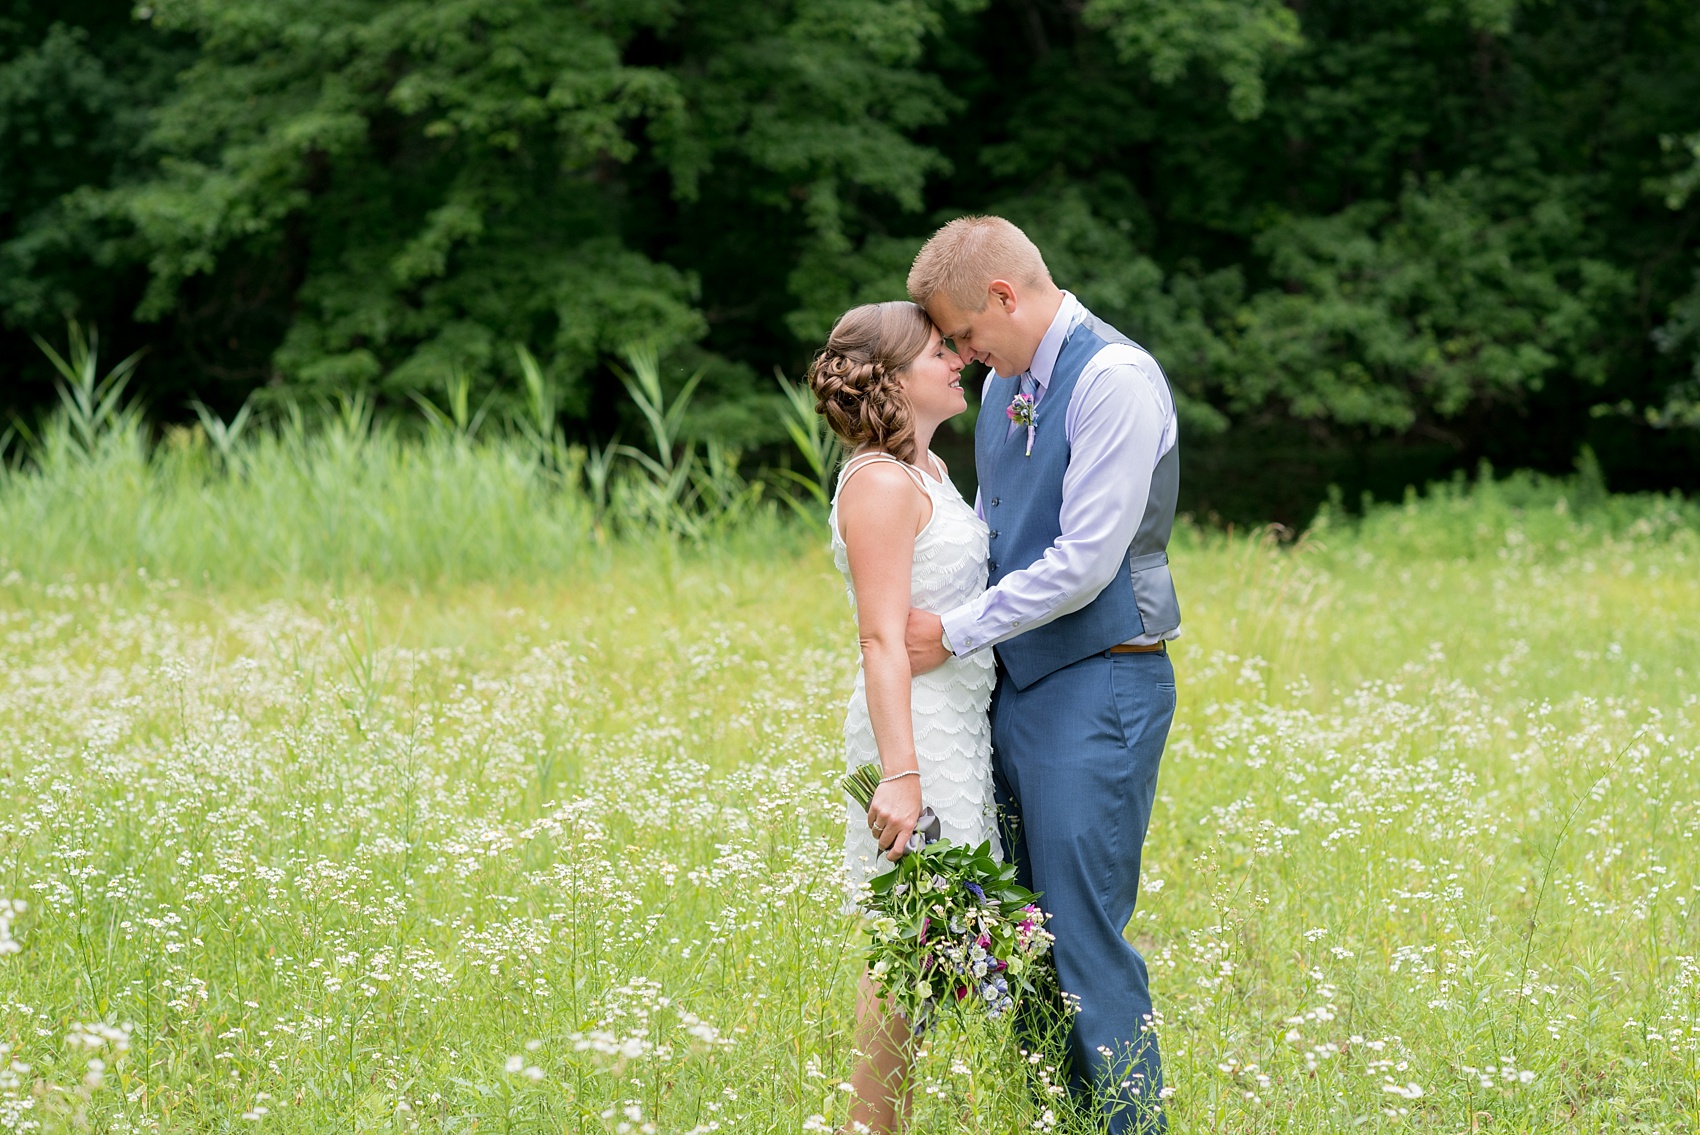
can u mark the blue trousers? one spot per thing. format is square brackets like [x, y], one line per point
[1075, 759]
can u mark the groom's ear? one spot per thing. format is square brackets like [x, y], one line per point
[1003, 293]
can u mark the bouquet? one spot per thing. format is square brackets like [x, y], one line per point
[950, 925]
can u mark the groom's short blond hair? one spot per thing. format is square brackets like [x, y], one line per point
[963, 258]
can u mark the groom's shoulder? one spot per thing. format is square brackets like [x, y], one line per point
[1114, 348]
[1122, 357]
[1103, 331]
[1115, 354]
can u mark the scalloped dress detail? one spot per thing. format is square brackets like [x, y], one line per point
[953, 738]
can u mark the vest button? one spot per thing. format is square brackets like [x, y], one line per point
[994, 565]
[994, 533]
[994, 502]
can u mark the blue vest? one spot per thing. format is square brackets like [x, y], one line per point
[1022, 499]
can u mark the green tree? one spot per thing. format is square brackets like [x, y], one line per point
[1469, 224]
[420, 184]
[1236, 39]
[77, 80]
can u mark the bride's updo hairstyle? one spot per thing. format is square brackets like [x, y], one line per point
[855, 377]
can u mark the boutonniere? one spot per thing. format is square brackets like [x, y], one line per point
[1022, 413]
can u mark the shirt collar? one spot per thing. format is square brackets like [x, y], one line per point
[1045, 358]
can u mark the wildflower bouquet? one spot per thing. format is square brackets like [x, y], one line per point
[950, 925]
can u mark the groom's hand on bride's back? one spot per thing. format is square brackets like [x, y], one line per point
[925, 640]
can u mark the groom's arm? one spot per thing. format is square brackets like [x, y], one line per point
[1116, 424]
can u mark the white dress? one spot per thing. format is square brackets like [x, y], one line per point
[953, 740]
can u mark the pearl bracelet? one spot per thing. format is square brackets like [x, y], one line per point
[900, 775]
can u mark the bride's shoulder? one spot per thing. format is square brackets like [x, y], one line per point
[876, 494]
[875, 477]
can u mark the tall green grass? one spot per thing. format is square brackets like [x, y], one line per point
[344, 496]
[341, 492]
[1519, 514]
[330, 503]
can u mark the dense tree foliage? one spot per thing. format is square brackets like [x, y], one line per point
[1452, 228]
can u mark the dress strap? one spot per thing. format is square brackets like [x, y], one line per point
[862, 461]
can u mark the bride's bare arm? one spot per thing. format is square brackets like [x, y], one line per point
[880, 510]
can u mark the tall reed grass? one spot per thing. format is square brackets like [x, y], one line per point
[344, 496]
[455, 496]
[344, 492]
[330, 503]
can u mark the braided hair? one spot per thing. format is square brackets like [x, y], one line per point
[857, 377]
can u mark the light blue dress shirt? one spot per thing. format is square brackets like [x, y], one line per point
[1119, 422]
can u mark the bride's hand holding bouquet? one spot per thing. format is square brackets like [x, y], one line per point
[893, 810]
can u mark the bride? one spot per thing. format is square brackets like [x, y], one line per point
[903, 536]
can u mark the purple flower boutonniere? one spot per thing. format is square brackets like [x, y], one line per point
[1022, 413]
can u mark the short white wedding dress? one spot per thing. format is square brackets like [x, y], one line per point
[953, 740]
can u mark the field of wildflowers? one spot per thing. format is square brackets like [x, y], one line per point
[545, 851]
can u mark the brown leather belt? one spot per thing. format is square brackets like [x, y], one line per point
[1124, 648]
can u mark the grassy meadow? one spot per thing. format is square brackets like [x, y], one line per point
[370, 786]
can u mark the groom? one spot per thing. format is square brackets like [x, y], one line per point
[1080, 503]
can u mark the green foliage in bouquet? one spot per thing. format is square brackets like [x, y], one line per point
[950, 927]
[861, 784]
